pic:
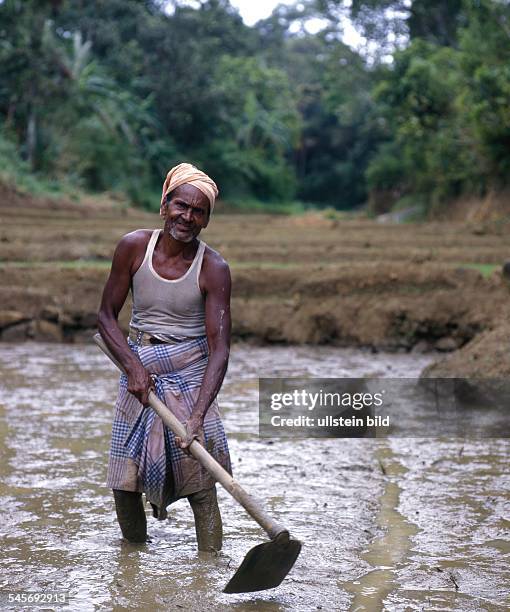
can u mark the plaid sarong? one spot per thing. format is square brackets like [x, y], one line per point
[143, 454]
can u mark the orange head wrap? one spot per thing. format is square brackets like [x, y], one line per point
[188, 174]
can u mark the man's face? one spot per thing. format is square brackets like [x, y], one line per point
[186, 213]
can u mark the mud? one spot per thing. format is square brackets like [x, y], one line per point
[398, 524]
[486, 356]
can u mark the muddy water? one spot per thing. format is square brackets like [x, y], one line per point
[386, 524]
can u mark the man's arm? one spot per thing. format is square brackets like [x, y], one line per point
[217, 287]
[114, 296]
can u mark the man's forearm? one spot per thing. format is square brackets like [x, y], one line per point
[212, 381]
[114, 339]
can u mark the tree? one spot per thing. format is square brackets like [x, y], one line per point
[430, 152]
[389, 25]
[256, 132]
[331, 85]
[485, 46]
[32, 81]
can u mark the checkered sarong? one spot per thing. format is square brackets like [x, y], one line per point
[143, 454]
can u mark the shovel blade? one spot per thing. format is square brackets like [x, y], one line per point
[265, 566]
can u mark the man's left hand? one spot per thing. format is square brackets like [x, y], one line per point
[194, 431]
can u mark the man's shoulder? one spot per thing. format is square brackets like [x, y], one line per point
[136, 238]
[133, 242]
[131, 248]
[215, 275]
[214, 262]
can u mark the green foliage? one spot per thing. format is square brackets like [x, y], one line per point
[417, 100]
[259, 128]
[387, 169]
[11, 164]
[490, 114]
[332, 86]
[485, 48]
[446, 113]
[17, 172]
[252, 206]
[486, 270]
[109, 95]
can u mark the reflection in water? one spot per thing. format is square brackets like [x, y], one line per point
[405, 524]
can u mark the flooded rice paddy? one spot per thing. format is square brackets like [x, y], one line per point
[395, 524]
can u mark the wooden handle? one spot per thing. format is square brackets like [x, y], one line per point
[252, 505]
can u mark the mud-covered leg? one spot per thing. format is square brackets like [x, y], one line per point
[208, 526]
[131, 515]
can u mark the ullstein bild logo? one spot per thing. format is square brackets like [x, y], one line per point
[358, 407]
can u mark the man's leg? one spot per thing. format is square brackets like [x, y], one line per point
[131, 515]
[208, 525]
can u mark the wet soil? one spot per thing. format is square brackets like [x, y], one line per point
[385, 524]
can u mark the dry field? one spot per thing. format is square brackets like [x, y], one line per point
[305, 279]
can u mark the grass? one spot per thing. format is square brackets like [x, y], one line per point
[264, 265]
[17, 172]
[73, 264]
[100, 264]
[251, 206]
[485, 270]
[103, 264]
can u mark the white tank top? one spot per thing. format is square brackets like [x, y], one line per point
[168, 309]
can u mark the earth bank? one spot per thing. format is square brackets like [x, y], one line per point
[308, 279]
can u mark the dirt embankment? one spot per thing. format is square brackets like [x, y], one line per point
[297, 280]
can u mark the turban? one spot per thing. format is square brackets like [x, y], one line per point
[186, 174]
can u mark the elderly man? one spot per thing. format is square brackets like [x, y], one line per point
[178, 344]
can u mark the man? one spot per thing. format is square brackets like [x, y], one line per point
[178, 345]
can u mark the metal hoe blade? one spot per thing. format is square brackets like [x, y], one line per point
[265, 565]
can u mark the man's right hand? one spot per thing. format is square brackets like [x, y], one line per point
[140, 384]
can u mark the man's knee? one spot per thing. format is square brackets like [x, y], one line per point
[131, 515]
[204, 497]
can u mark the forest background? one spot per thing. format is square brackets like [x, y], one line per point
[106, 95]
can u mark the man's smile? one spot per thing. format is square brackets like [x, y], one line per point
[183, 226]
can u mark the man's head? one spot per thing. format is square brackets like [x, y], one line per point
[187, 201]
[186, 211]
[187, 174]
